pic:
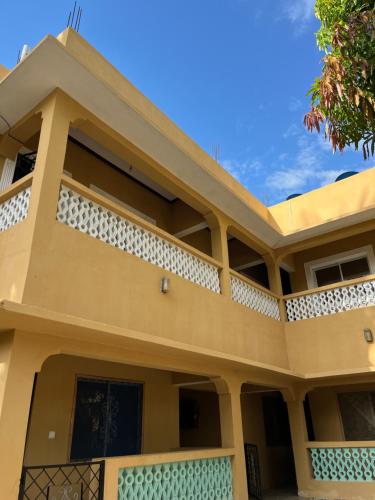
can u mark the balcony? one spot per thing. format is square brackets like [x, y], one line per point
[331, 299]
[92, 214]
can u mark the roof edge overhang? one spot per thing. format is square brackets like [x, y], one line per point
[51, 65]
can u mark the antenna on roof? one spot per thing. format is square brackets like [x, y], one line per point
[74, 19]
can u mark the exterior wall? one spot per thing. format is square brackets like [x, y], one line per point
[331, 345]
[96, 281]
[54, 399]
[298, 278]
[276, 463]
[325, 414]
[331, 202]
[200, 240]
[88, 169]
[325, 410]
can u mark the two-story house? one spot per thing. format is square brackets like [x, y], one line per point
[163, 334]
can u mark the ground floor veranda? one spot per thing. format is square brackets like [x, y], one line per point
[171, 423]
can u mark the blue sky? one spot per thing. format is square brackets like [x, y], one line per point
[233, 74]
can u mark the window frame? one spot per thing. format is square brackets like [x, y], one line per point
[311, 267]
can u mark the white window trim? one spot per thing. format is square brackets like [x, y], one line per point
[339, 258]
[100, 191]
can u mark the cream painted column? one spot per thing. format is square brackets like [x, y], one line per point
[57, 114]
[229, 392]
[219, 243]
[20, 359]
[274, 278]
[298, 430]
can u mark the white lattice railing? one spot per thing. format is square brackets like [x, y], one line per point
[15, 206]
[346, 461]
[79, 212]
[254, 298]
[332, 300]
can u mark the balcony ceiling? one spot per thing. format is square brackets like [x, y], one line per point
[51, 65]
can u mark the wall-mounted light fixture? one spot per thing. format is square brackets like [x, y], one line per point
[164, 285]
[369, 337]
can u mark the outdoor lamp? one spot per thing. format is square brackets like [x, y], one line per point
[164, 285]
[367, 333]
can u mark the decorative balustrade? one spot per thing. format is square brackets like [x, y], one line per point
[209, 478]
[81, 213]
[344, 463]
[14, 209]
[331, 301]
[254, 298]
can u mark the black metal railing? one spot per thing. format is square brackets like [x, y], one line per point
[74, 481]
[253, 471]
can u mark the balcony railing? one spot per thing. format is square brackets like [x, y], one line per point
[331, 299]
[344, 461]
[92, 214]
[171, 476]
[247, 293]
[14, 203]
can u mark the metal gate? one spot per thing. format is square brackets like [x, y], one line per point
[75, 481]
[253, 471]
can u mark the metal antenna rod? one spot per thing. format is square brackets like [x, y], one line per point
[74, 11]
[80, 16]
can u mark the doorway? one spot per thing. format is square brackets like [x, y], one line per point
[267, 435]
[107, 419]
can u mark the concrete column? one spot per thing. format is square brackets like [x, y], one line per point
[219, 243]
[20, 359]
[274, 278]
[229, 392]
[57, 115]
[298, 429]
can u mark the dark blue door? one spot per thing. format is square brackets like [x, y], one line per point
[107, 420]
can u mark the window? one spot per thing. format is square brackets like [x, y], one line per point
[341, 267]
[107, 420]
[358, 415]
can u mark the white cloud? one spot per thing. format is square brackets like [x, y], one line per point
[292, 131]
[242, 170]
[299, 11]
[295, 105]
[306, 170]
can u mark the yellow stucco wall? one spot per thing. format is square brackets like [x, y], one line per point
[298, 277]
[97, 281]
[325, 410]
[53, 407]
[331, 344]
[88, 169]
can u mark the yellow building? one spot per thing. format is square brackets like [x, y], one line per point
[164, 335]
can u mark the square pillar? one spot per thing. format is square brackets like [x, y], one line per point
[219, 243]
[20, 359]
[229, 392]
[298, 430]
